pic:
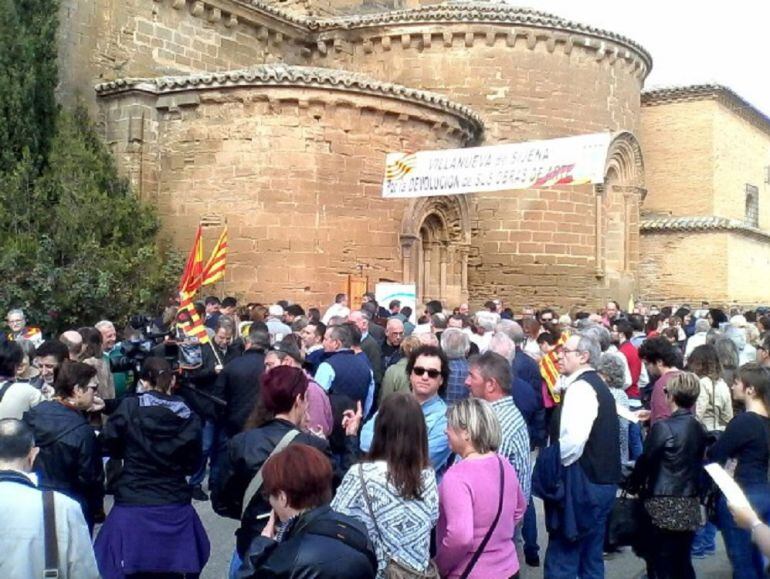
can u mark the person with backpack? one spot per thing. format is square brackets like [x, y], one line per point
[304, 536]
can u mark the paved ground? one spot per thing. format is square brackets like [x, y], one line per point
[622, 566]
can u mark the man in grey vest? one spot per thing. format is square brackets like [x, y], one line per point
[589, 437]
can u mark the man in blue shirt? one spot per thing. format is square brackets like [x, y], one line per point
[428, 370]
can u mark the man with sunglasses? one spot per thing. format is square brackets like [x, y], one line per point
[588, 437]
[428, 370]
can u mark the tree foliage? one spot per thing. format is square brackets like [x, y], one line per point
[76, 245]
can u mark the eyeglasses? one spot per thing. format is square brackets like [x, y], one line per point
[568, 351]
[432, 373]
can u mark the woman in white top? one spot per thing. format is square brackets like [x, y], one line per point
[399, 504]
[714, 408]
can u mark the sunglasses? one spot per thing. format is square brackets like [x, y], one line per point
[432, 373]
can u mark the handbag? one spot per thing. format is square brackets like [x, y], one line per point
[625, 522]
[394, 569]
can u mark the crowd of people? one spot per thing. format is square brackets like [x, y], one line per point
[382, 442]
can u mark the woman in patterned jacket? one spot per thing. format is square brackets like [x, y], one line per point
[399, 503]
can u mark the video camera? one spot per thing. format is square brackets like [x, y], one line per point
[144, 337]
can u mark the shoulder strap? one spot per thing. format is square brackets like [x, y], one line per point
[483, 545]
[4, 388]
[51, 545]
[256, 482]
[368, 501]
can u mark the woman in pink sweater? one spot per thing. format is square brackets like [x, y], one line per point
[470, 499]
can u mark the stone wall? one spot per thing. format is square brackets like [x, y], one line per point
[678, 140]
[527, 81]
[720, 267]
[294, 170]
[742, 154]
[102, 40]
[675, 268]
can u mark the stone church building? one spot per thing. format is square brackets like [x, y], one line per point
[275, 118]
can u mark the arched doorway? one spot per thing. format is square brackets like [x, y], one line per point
[435, 239]
[618, 204]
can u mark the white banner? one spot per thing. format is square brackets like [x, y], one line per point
[406, 293]
[530, 165]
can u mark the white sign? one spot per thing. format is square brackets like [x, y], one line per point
[530, 165]
[406, 293]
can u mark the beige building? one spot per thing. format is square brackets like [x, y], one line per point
[275, 118]
[706, 218]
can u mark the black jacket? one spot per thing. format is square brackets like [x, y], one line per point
[371, 348]
[246, 453]
[321, 544]
[159, 439]
[70, 460]
[672, 461]
[205, 380]
[239, 384]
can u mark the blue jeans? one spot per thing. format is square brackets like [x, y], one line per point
[635, 443]
[212, 442]
[529, 530]
[745, 558]
[705, 538]
[235, 564]
[584, 558]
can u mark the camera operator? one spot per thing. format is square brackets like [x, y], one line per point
[215, 355]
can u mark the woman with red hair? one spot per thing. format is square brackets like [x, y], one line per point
[304, 537]
[237, 491]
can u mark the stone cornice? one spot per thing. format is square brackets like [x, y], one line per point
[716, 92]
[707, 223]
[311, 31]
[280, 75]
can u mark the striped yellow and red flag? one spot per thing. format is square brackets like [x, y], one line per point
[189, 321]
[191, 276]
[215, 266]
[549, 367]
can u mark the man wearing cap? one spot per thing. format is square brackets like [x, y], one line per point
[275, 327]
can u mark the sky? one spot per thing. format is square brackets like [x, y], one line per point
[690, 42]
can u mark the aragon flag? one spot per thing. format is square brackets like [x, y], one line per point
[193, 269]
[215, 266]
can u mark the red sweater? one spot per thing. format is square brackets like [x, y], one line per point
[634, 365]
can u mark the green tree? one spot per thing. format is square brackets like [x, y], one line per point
[76, 245]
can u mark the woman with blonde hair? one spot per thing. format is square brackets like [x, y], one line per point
[480, 498]
[667, 477]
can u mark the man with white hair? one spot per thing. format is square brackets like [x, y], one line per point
[456, 345]
[391, 349]
[588, 437]
[702, 328]
[275, 326]
[112, 350]
[523, 366]
[369, 345]
[485, 323]
[17, 323]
